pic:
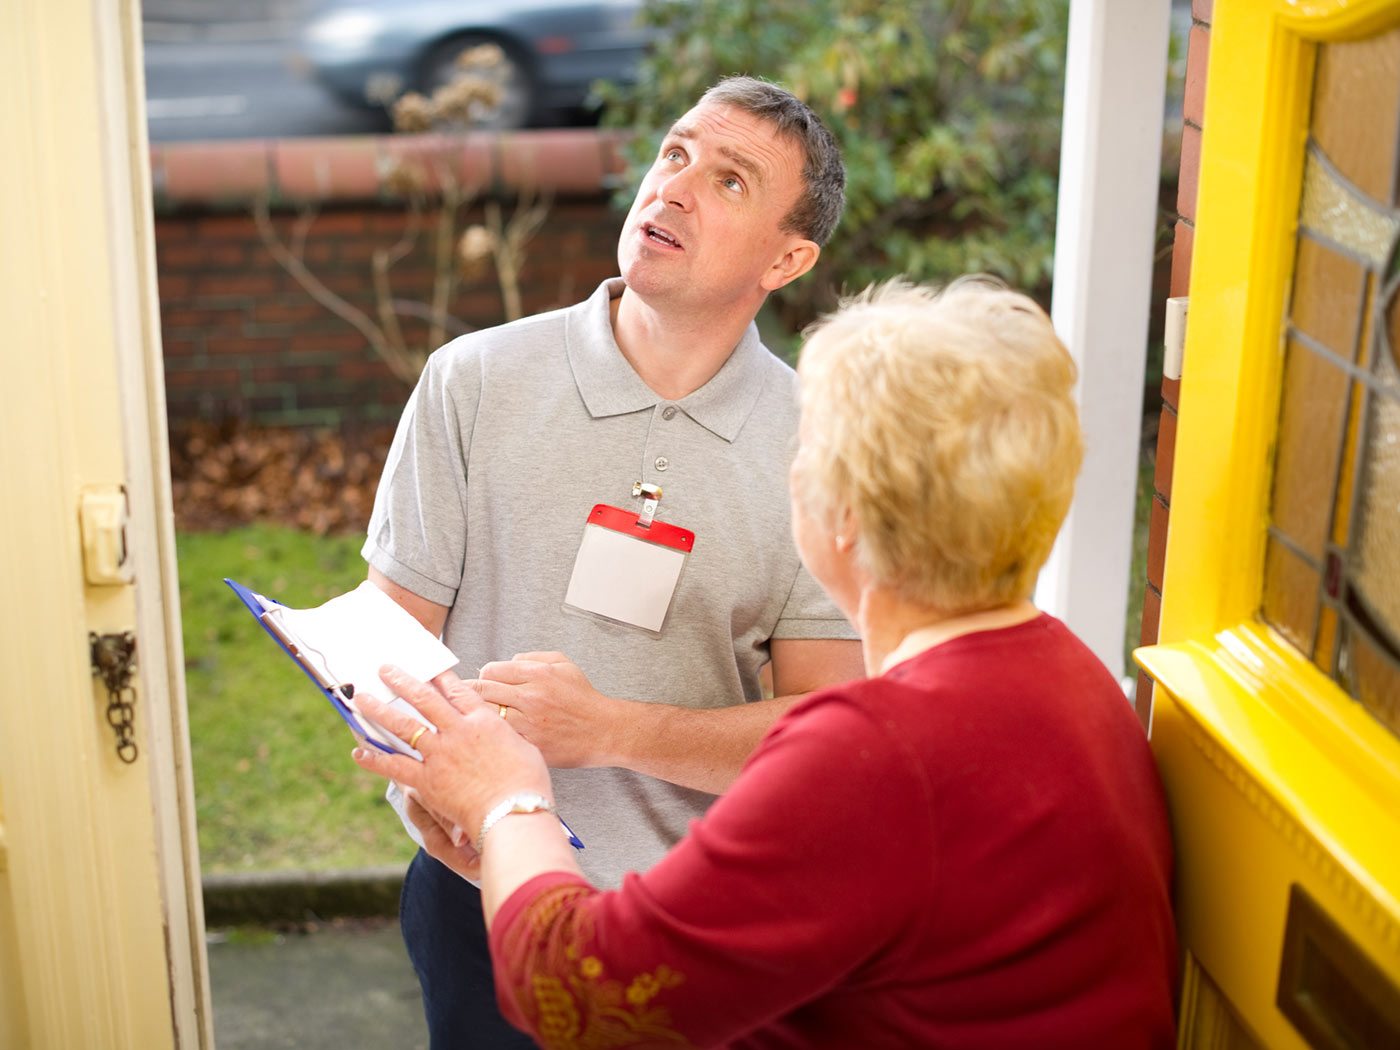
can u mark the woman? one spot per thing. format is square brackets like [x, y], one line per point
[967, 849]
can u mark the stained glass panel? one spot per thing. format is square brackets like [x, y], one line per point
[1327, 291]
[1325, 651]
[1332, 567]
[1292, 593]
[1376, 575]
[1309, 445]
[1356, 111]
[1360, 393]
[1373, 678]
[1335, 210]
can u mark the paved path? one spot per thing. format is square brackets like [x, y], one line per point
[343, 986]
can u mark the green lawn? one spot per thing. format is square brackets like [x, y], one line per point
[274, 784]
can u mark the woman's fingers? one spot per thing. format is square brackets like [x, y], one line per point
[447, 681]
[403, 726]
[426, 700]
[460, 694]
[405, 770]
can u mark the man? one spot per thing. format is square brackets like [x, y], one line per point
[492, 525]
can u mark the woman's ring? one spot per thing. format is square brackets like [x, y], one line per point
[503, 710]
[413, 740]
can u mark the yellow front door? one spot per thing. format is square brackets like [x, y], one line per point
[101, 929]
[1277, 714]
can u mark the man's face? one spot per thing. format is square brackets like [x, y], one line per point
[704, 229]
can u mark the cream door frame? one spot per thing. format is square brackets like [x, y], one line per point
[101, 917]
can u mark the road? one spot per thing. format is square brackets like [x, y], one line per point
[232, 88]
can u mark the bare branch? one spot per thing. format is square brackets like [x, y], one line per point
[423, 312]
[294, 265]
[507, 276]
[508, 242]
[388, 320]
[412, 228]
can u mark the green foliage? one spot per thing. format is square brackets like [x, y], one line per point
[947, 112]
[274, 783]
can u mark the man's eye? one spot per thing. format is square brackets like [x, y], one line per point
[672, 154]
[732, 183]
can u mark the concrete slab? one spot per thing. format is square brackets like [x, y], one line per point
[331, 986]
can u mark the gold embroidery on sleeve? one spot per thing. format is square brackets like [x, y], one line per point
[568, 997]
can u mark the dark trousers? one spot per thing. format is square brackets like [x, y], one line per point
[440, 915]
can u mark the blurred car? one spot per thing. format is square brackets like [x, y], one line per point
[369, 51]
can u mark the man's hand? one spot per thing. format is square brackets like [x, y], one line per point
[549, 701]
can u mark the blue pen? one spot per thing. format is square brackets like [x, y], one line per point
[574, 840]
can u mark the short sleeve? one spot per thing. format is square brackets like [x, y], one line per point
[809, 613]
[417, 531]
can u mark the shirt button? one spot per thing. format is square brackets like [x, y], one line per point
[662, 463]
[668, 412]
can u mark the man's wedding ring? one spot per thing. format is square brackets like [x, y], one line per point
[413, 740]
[503, 710]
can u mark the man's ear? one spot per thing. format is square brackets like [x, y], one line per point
[799, 257]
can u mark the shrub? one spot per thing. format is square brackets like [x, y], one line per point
[947, 112]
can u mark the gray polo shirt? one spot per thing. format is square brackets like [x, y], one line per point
[511, 437]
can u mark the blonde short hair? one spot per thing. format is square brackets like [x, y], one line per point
[942, 426]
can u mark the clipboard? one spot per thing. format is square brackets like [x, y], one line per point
[339, 694]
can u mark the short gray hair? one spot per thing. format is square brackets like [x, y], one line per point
[818, 210]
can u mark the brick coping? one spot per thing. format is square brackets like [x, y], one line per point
[565, 162]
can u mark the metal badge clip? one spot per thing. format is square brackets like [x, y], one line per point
[651, 497]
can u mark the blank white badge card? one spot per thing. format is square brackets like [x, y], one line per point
[626, 572]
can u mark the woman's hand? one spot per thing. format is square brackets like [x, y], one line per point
[472, 762]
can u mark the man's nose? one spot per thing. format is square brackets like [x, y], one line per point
[677, 190]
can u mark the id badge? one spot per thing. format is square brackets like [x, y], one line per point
[626, 571]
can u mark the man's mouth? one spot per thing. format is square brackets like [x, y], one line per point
[660, 236]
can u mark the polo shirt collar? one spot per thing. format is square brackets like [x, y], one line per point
[610, 386]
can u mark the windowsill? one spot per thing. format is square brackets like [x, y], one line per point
[1322, 757]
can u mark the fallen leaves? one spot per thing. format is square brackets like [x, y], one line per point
[236, 473]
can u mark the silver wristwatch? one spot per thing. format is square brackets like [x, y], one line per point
[520, 802]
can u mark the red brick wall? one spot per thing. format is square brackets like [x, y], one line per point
[244, 340]
[1197, 59]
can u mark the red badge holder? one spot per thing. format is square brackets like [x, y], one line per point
[629, 564]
